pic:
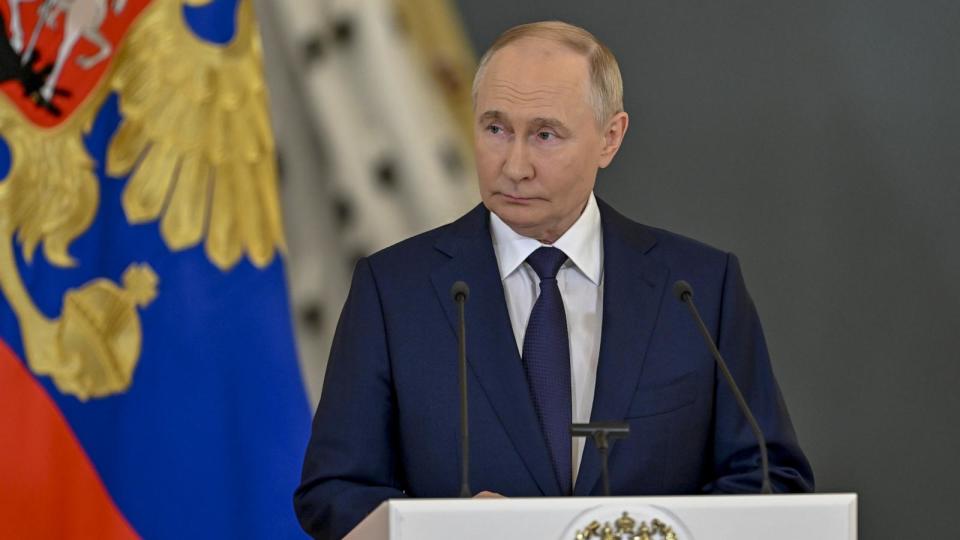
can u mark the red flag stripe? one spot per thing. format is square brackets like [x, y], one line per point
[48, 486]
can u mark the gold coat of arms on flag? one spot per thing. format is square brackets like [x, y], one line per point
[194, 148]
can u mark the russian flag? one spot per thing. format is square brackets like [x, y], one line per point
[149, 384]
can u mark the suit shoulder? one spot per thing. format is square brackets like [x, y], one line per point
[423, 248]
[406, 263]
[702, 265]
[662, 244]
[415, 246]
[675, 245]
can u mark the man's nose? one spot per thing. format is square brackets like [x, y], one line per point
[518, 166]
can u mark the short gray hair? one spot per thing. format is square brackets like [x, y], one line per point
[606, 84]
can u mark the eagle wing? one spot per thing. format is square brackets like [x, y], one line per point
[195, 137]
[50, 194]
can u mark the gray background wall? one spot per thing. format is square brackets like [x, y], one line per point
[820, 141]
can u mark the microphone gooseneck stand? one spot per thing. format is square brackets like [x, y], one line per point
[684, 292]
[460, 292]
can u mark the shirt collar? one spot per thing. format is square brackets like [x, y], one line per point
[582, 243]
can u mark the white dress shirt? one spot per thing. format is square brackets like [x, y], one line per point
[581, 285]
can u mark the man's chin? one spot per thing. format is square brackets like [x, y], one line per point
[520, 218]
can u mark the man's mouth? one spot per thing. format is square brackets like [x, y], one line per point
[516, 198]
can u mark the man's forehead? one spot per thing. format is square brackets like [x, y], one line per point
[534, 74]
[529, 93]
[503, 104]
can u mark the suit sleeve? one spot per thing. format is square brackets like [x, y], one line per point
[736, 455]
[351, 463]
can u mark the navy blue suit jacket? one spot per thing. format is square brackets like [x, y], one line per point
[387, 423]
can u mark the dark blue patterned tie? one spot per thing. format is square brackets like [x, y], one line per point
[546, 360]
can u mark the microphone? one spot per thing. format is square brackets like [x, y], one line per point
[684, 293]
[459, 293]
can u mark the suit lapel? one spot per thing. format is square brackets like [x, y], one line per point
[491, 347]
[633, 287]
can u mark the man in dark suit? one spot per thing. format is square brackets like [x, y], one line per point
[570, 318]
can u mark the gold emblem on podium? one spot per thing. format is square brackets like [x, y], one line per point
[626, 528]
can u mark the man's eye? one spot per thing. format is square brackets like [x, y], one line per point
[494, 129]
[546, 136]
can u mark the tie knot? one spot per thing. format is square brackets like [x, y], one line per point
[546, 262]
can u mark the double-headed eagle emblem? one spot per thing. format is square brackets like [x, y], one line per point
[194, 145]
[626, 528]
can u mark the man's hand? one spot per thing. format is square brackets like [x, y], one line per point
[488, 495]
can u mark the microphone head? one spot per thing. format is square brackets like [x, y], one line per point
[682, 290]
[459, 288]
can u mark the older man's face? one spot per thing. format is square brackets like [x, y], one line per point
[537, 141]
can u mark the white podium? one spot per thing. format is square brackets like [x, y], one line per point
[724, 517]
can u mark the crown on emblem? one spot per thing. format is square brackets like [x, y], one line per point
[625, 528]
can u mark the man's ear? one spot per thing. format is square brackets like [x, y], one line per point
[613, 133]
